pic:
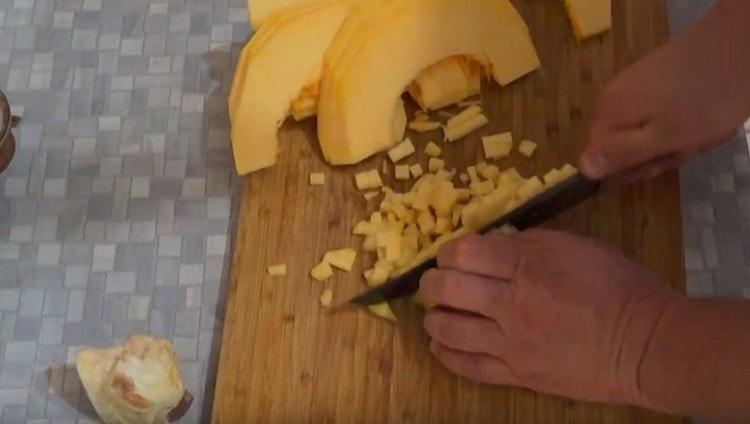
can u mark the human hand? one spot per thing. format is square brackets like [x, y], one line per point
[543, 310]
[689, 95]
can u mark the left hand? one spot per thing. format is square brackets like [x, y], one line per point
[549, 311]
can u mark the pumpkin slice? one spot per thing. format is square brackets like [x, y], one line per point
[447, 82]
[260, 11]
[274, 74]
[277, 18]
[365, 75]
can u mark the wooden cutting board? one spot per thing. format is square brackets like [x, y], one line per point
[285, 359]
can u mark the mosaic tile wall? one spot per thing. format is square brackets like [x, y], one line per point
[115, 212]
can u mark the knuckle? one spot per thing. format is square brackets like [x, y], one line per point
[462, 250]
[437, 284]
[428, 278]
[444, 285]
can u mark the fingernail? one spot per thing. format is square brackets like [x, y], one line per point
[594, 164]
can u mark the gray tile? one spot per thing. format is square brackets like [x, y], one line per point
[14, 414]
[7, 326]
[27, 328]
[127, 257]
[124, 329]
[104, 257]
[108, 63]
[191, 274]
[179, 22]
[9, 251]
[186, 322]
[75, 307]
[52, 332]
[93, 303]
[9, 299]
[205, 345]
[214, 268]
[193, 297]
[162, 323]
[208, 317]
[49, 254]
[197, 44]
[20, 351]
[109, 41]
[79, 333]
[13, 396]
[115, 307]
[138, 308]
[143, 231]
[216, 245]
[48, 276]
[62, 407]
[120, 282]
[154, 44]
[142, 209]
[84, 39]
[94, 230]
[170, 246]
[218, 207]
[168, 297]
[31, 302]
[193, 249]
[76, 253]
[117, 232]
[16, 374]
[55, 302]
[46, 228]
[186, 347]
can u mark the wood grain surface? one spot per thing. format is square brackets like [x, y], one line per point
[286, 359]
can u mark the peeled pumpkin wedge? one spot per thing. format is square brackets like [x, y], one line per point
[277, 19]
[442, 84]
[375, 57]
[282, 59]
[261, 10]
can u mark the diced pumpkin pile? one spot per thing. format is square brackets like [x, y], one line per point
[409, 228]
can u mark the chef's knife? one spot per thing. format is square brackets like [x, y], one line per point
[535, 211]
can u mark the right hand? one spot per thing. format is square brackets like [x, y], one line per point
[690, 94]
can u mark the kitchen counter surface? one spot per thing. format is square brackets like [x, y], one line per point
[116, 211]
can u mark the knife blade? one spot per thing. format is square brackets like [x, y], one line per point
[535, 211]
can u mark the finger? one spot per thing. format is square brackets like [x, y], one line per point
[495, 257]
[474, 366]
[465, 333]
[614, 151]
[464, 292]
[654, 168]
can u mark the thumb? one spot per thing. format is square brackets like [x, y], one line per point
[616, 150]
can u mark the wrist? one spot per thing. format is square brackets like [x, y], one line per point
[644, 319]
